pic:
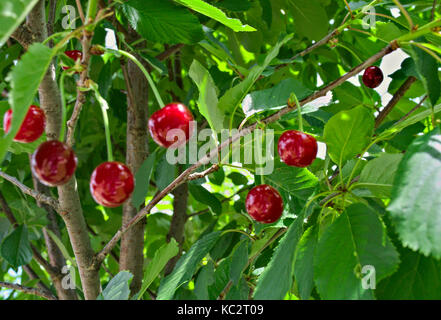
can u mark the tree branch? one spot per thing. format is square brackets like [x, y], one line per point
[395, 99]
[207, 158]
[26, 190]
[27, 290]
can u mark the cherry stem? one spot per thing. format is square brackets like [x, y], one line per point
[146, 74]
[104, 107]
[63, 107]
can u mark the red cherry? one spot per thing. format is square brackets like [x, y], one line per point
[32, 127]
[74, 55]
[373, 77]
[172, 116]
[53, 163]
[111, 184]
[297, 149]
[264, 204]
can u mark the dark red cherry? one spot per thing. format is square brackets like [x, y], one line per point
[172, 116]
[264, 204]
[74, 55]
[297, 149]
[32, 127]
[373, 77]
[53, 163]
[111, 184]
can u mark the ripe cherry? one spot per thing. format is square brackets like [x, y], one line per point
[172, 116]
[32, 127]
[111, 184]
[53, 163]
[74, 55]
[264, 204]
[297, 149]
[373, 77]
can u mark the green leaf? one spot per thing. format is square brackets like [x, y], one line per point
[298, 182]
[356, 239]
[415, 202]
[215, 14]
[162, 21]
[24, 79]
[304, 262]
[165, 173]
[12, 14]
[427, 68]
[347, 133]
[204, 196]
[16, 248]
[276, 280]
[204, 280]
[378, 174]
[186, 266]
[238, 179]
[418, 277]
[118, 287]
[159, 261]
[236, 94]
[239, 261]
[208, 100]
[142, 180]
[274, 98]
[309, 17]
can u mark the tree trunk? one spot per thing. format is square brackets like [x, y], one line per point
[132, 243]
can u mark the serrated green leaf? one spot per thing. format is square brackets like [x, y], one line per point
[159, 261]
[186, 266]
[16, 248]
[118, 287]
[239, 260]
[415, 202]
[347, 133]
[427, 68]
[277, 278]
[274, 98]
[208, 101]
[308, 18]
[204, 196]
[215, 14]
[234, 96]
[162, 21]
[378, 174]
[304, 262]
[356, 239]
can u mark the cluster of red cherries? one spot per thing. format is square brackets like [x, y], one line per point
[112, 182]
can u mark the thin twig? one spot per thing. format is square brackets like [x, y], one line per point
[80, 11]
[214, 153]
[395, 99]
[26, 190]
[27, 290]
[413, 110]
[406, 14]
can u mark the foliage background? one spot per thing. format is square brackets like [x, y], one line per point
[372, 199]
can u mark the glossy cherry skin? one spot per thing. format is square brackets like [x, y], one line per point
[264, 204]
[172, 116]
[74, 55]
[111, 184]
[32, 127]
[53, 163]
[373, 77]
[297, 149]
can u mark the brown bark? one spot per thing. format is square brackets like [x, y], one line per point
[132, 243]
[177, 226]
[68, 195]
